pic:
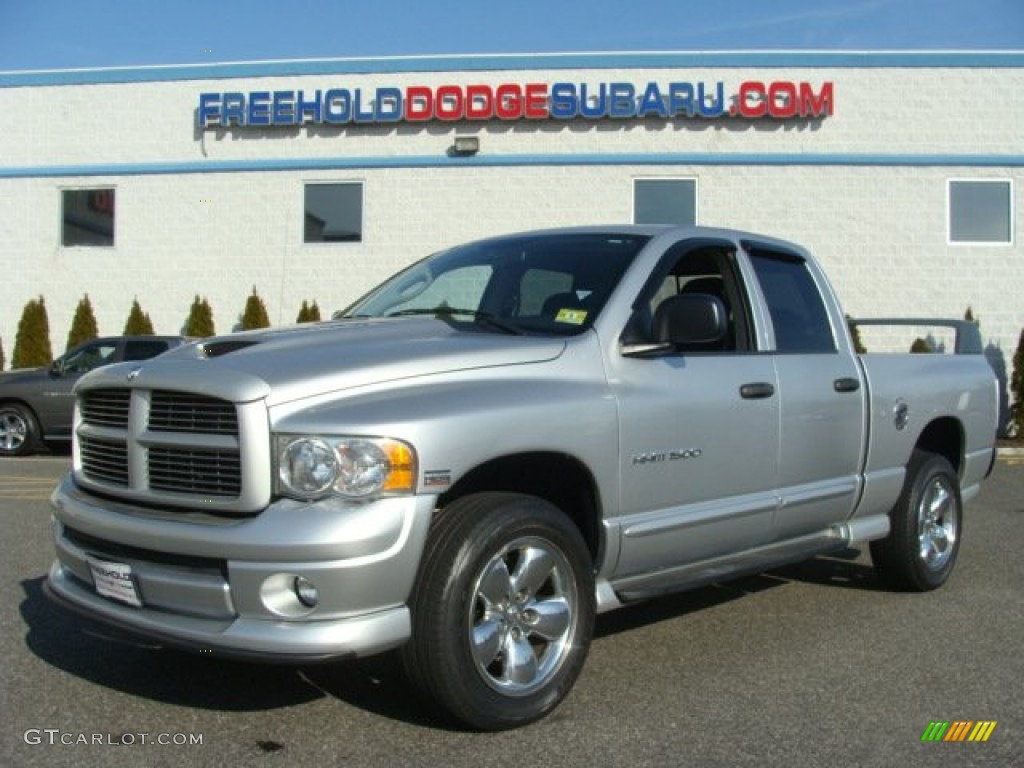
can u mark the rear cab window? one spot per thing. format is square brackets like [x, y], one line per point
[798, 314]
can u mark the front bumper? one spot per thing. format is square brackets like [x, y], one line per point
[226, 586]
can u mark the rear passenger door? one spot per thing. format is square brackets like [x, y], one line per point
[822, 398]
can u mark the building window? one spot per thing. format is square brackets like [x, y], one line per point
[980, 211]
[665, 201]
[333, 213]
[87, 217]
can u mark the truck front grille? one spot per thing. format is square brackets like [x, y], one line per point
[174, 449]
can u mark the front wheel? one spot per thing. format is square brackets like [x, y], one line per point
[19, 433]
[926, 523]
[502, 612]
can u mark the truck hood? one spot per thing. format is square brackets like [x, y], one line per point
[290, 363]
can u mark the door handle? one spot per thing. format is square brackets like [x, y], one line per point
[846, 384]
[757, 390]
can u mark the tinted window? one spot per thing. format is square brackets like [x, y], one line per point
[979, 212]
[333, 213]
[87, 217]
[795, 304]
[89, 357]
[665, 201]
[144, 349]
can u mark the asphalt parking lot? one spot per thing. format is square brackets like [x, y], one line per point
[808, 665]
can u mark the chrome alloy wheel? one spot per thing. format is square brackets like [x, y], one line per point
[13, 431]
[522, 616]
[938, 523]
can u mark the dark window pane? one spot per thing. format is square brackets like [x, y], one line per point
[795, 304]
[88, 217]
[333, 213]
[979, 212]
[665, 201]
[143, 350]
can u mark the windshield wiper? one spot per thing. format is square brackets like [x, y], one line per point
[483, 318]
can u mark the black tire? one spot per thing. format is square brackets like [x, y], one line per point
[19, 430]
[495, 643]
[921, 549]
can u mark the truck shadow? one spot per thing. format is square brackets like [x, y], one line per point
[110, 659]
[840, 569]
[377, 685]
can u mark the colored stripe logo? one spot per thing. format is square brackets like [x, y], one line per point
[958, 730]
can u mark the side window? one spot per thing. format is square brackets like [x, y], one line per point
[89, 357]
[143, 350]
[794, 302]
[705, 270]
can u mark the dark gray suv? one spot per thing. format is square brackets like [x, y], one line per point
[36, 404]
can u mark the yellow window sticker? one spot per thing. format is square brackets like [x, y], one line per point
[573, 316]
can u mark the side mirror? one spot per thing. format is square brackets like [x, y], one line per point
[689, 319]
[57, 368]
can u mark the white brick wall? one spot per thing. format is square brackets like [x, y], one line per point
[880, 230]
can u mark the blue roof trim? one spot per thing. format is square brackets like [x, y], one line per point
[486, 161]
[494, 62]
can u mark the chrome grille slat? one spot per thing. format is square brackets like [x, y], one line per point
[215, 473]
[106, 407]
[104, 461]
[182, 412]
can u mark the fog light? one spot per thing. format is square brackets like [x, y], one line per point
[307, 592]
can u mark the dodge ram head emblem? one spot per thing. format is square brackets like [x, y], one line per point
[133, 374]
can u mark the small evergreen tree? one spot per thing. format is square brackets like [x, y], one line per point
[2, 361]
[83, 326]
[858, 345]
[308, 314]
[969, 316]
[32, 344]
[255, 314]
[921, 347]
[200, 319]
[1017, 391]
[138, 323]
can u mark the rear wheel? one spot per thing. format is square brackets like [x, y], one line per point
[19, 431]
[503, 610]
[924, 540]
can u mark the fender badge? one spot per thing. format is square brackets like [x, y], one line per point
[133, 374]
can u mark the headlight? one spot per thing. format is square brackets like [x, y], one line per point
[310, 467]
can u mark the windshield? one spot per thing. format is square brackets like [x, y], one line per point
[548, 284]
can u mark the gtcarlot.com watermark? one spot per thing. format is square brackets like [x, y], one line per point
[57, 737]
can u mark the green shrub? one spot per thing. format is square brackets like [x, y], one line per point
[255, 314]
[921, 347]
[32, 344]
[858, 345]
[138, 323]
[83, 326]
[200, 319]
[2, 361]
[308, 314]
[1017, 391]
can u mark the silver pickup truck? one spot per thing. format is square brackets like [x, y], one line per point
[500, 442]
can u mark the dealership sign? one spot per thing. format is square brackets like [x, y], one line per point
[752, 99]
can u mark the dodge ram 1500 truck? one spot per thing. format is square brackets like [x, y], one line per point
[503, 440]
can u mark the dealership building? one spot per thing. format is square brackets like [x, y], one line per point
[313, 180]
